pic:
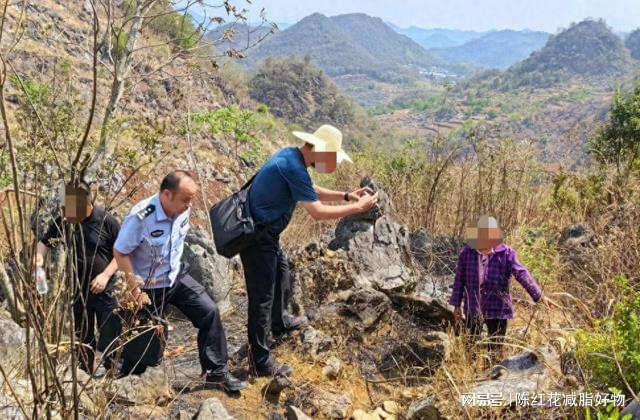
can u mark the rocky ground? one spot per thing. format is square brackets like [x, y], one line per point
[378, 342]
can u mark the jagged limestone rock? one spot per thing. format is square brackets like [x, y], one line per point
[367, 305]
[294, 413]
[315, 342]
[12, 341]
[367, 251]
[435, 254]
[212, 409]
[332, 405]
[332, 368]
[526, 372]
[426, 310]
[207, 267]
[151, 387]
[423, 409]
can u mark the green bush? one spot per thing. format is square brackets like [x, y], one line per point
[539, 255]
[240, 124]
[178, 27]
[611, 352]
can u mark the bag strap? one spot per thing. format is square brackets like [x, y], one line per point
[246, 185]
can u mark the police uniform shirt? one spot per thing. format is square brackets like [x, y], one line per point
[154, 242]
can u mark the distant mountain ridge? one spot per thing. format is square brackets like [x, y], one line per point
[437, 37]
[346, 44]
[497, 49]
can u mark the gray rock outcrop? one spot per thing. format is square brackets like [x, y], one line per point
[206, 266]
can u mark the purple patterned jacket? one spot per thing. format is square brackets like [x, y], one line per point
[494, 297]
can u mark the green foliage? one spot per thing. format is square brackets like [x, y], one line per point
[617, 142]
[578, 195]
[48, 118]
[5, 171]
[178, 27]
[239, 124]
[611, 351]
[539, 255]
[51, 118]
[578, 94]
[148, 135]
[428, 103]
[118, 42]
[33, 91]
[610, 412]
[64, 65]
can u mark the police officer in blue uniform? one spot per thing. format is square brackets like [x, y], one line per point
[149, 247]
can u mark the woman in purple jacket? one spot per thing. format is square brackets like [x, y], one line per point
[482, 282]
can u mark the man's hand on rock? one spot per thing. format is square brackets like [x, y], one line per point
[355, 195]
[366, 201]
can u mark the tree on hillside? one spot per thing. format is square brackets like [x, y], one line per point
[618, 142]
[123, 25]
[300, 92]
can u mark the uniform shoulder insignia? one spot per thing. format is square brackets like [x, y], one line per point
[142, 214]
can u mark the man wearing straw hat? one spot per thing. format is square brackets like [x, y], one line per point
[280, 184]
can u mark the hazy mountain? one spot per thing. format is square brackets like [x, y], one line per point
[499, 49]
[437, 37]
[346, 44]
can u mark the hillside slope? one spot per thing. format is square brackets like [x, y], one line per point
[588, 49]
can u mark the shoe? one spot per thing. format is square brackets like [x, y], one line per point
[297, 322]
[277, 369]
[225, 381]
[294, 323]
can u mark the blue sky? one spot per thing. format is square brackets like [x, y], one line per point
[547, 15]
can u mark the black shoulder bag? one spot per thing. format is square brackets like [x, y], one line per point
[233, 225]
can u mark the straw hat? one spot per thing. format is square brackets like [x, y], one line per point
[327, 138]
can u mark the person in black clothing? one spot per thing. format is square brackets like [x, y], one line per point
[93, 302]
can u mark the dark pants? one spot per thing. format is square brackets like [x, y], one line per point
[497, 329]
[86, 318]
[266, 272]
[191, 299]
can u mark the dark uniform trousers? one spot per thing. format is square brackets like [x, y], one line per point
[266, 272]
[191, 298]
[85, 318]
